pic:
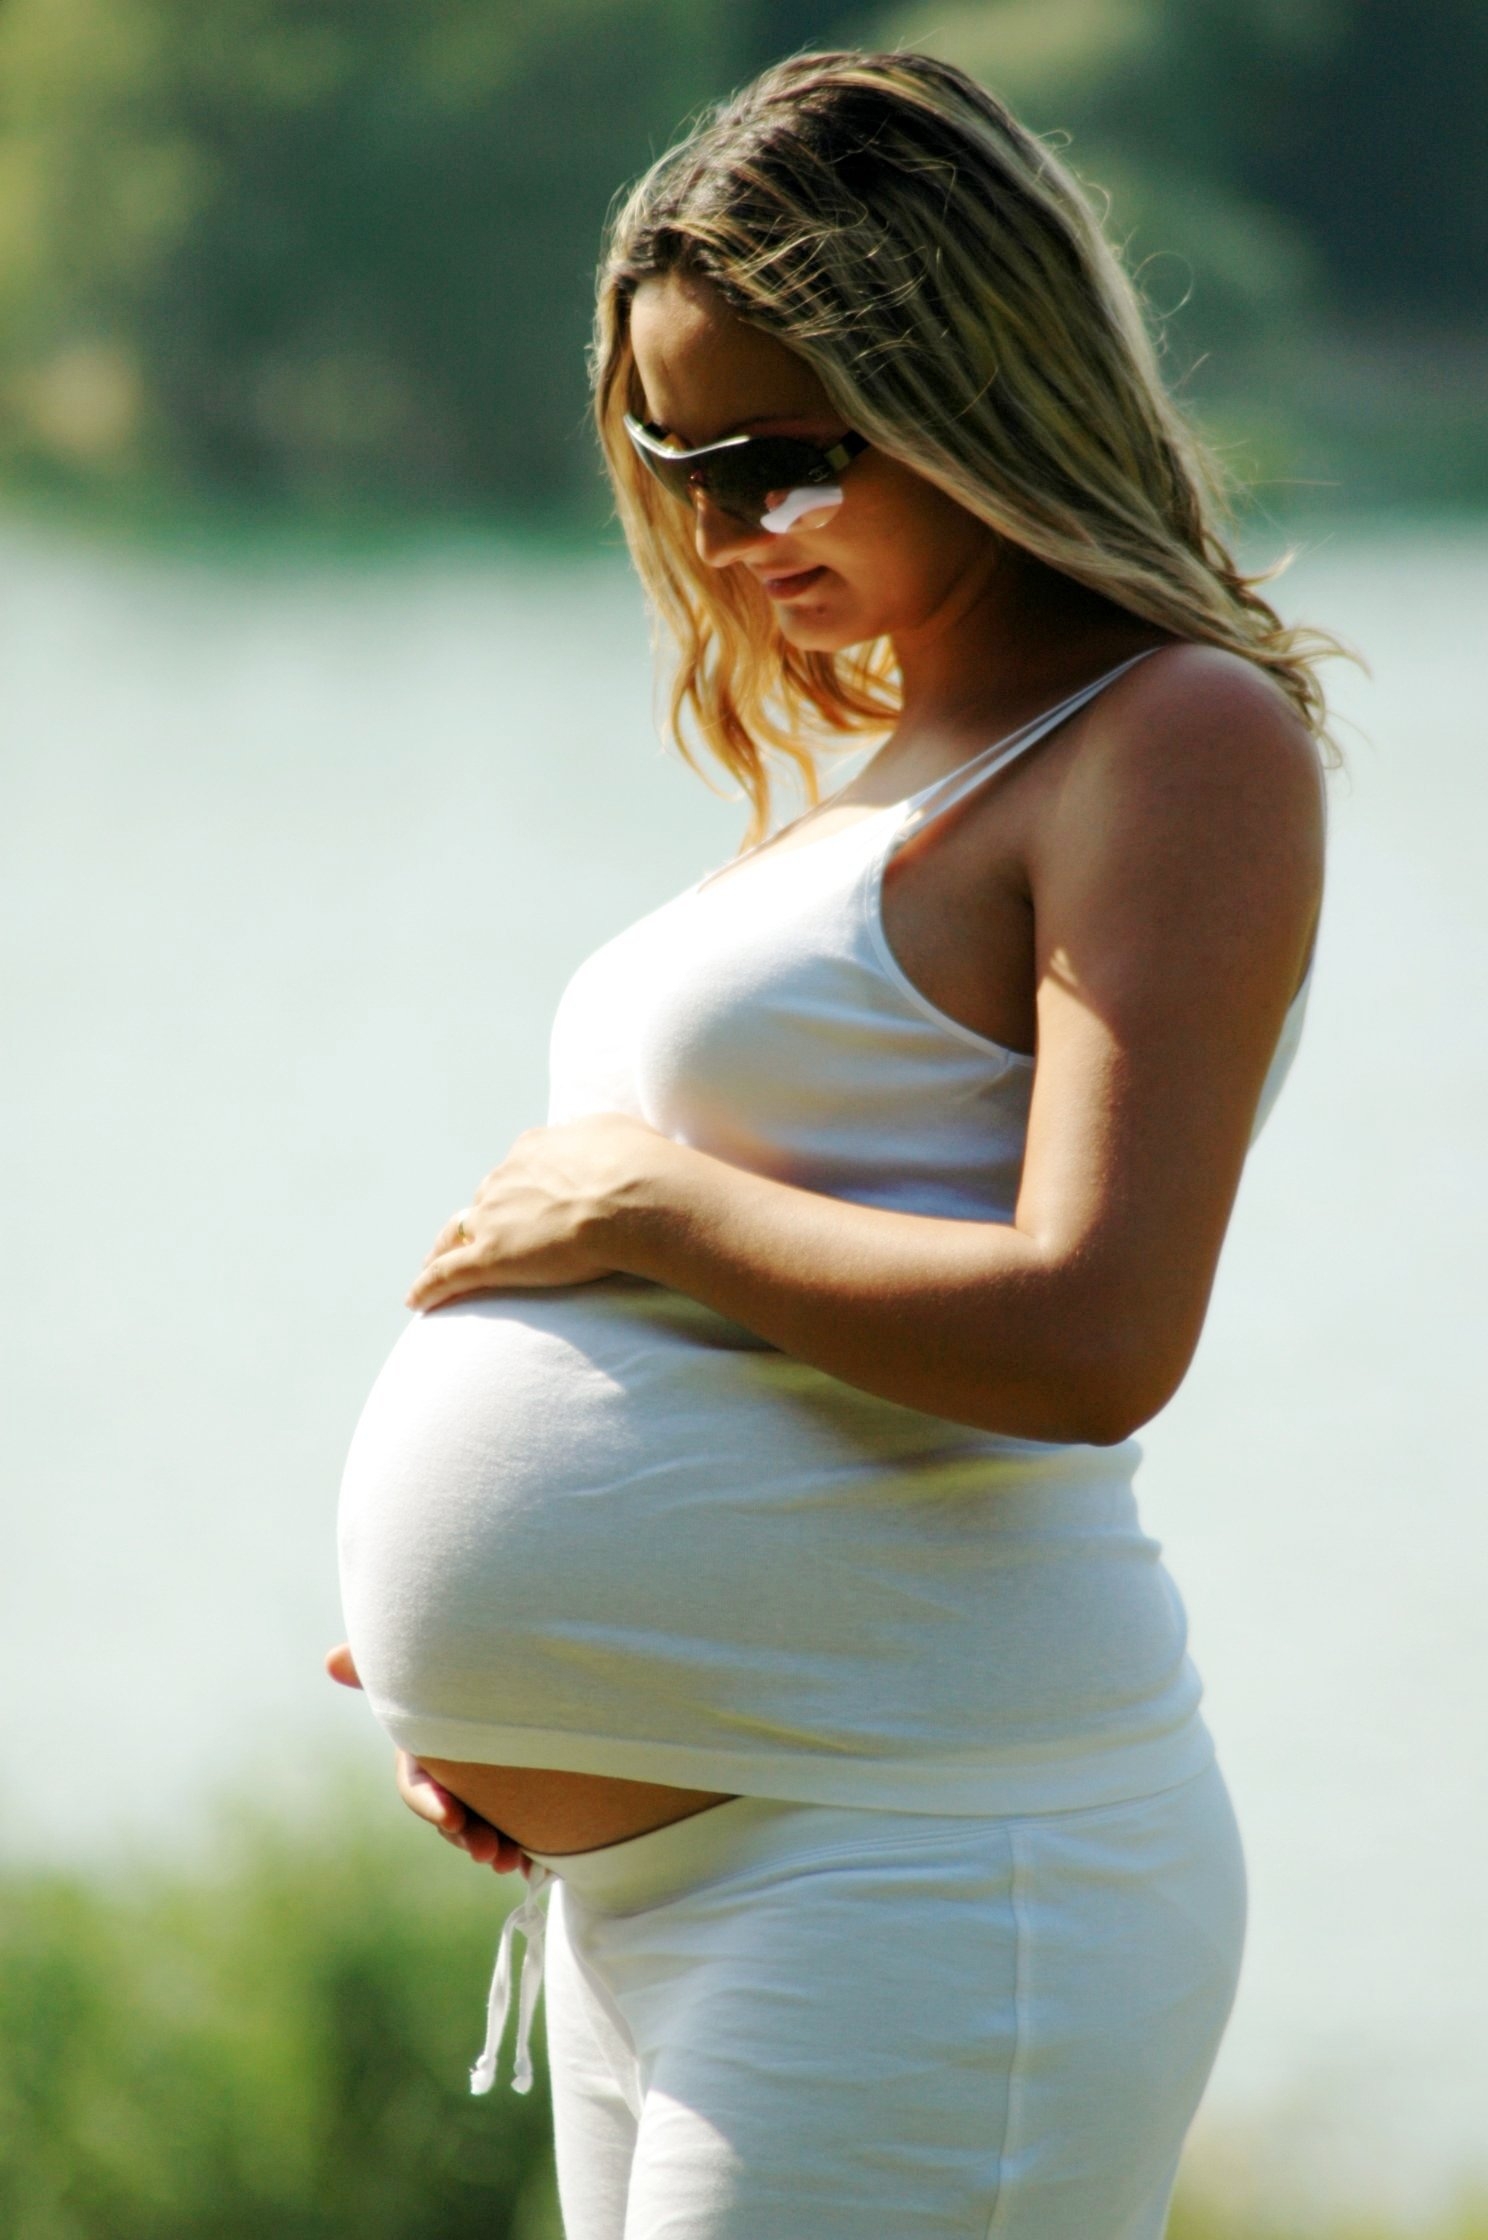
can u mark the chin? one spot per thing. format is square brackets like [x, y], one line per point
[822, 632]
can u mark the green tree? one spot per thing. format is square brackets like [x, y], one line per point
[1301, 189]
[339, 253]
[321, 248]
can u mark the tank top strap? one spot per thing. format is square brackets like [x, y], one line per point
[944, 794]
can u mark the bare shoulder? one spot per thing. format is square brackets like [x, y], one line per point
[1195, 730]
[1188, 816]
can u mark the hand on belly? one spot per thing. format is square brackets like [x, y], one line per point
[542, 1810]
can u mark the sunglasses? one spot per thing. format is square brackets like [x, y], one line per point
[771, 482]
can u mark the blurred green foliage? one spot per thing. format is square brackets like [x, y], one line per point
[275, 2045]
[338, 254]
[276, 2042]
[1343, 136]
[327, 249]
[1202, 2217]
[1301, 188]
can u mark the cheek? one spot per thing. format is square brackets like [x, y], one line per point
[903, 549]
[919, 536]
[938, 541]
[892, 581]
[894, 555]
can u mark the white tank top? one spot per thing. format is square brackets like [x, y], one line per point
[607, 1530]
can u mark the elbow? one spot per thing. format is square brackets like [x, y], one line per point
[1064, 1408]
[1103, 1360]
[1108, 1399]
[1108, 1421]
[1077, 1417]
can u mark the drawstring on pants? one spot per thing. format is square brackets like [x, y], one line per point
[531, 1919]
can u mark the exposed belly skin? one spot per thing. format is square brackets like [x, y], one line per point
[550, 1811]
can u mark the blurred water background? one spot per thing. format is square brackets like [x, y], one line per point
[328, 752]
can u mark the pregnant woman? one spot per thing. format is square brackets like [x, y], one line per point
[741, 1539]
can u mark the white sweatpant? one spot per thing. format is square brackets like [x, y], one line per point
[799, 2022]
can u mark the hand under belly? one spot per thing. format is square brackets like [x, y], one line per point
[555, 1812]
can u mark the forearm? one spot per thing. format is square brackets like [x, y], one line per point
[970, 1320]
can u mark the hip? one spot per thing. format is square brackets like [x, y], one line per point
[895, 2021]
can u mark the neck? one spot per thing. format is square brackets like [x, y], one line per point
[1011, 636]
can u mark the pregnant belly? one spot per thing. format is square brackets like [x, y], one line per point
[604, 1531]
[535, 1473]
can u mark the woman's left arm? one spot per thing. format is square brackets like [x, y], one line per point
[1175, 885]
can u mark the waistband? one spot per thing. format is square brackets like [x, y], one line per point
[728, 1841]
[722, 1838]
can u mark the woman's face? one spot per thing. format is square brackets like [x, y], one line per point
[895, 555]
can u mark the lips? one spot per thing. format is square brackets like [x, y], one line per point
[786, 586]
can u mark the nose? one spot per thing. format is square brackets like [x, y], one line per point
[721, 537]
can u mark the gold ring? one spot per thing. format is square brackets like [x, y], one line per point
[462, 1234]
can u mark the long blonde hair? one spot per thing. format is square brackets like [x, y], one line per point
[946, 278]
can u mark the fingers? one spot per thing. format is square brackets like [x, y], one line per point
[457, 1232]
[521, 1230]
[452, 1255]
[447, 1277]
[338, 1664]
[427, 1797]
[466, 1830]
[488, 1846]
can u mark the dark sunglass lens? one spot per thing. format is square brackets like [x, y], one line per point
[743, 481]
[672, 474]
